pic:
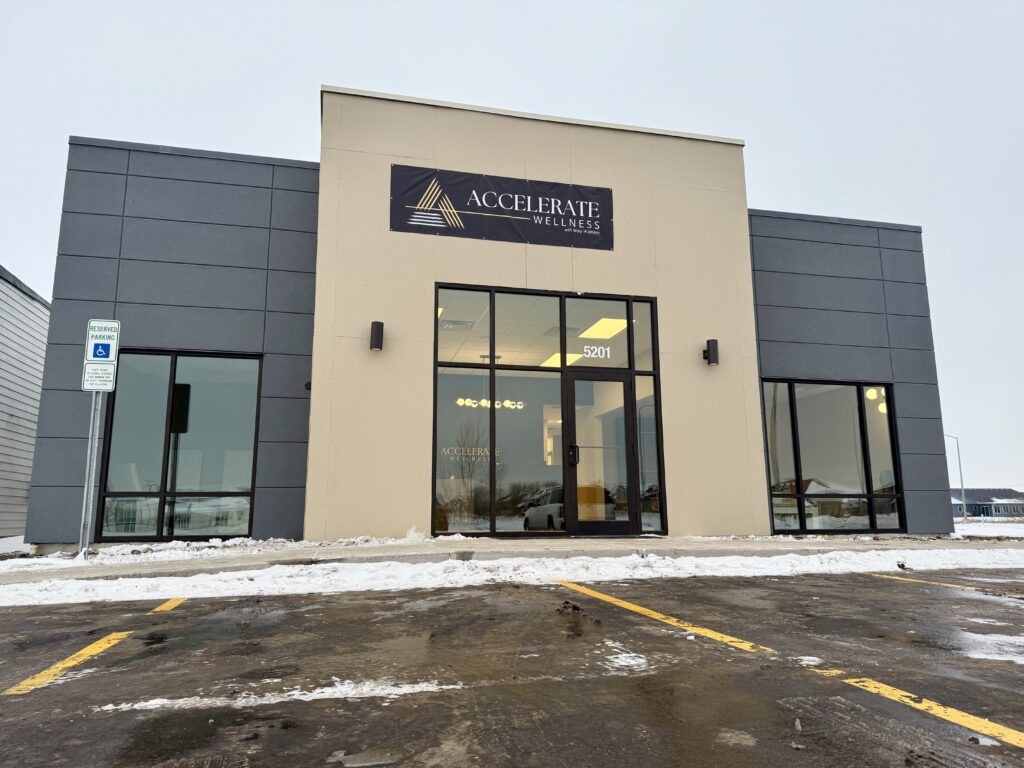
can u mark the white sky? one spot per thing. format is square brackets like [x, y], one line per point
[908, 111]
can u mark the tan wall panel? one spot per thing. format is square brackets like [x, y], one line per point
[680, 235]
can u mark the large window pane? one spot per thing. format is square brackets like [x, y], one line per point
[647, 446]
[140, 417]
[595, 333]
[528, 438]
[876, 414]
[207, 516]
[887, 514]
[830, 447]
[130, 515]
[463, 475]
[463, 327]
[778, 428]
[213, 424]
[836, 513]
[526, 330]
[643, 338]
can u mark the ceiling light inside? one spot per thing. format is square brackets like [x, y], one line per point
[605, 328]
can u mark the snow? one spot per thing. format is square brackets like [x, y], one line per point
[623, 660]
[991, 622]
[13, 544]
[339, 689]
[330, 578]
[808, 661]
[1013, 528]
[993, 647]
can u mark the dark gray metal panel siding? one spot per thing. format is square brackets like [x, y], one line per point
[23, 323]
[180, 246]
[846, 300]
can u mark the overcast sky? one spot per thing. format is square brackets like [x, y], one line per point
[894, 110]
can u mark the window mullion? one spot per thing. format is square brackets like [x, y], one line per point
[161, 510]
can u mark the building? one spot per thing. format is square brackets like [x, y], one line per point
[470, 320]
[24, 316]
[988, 502]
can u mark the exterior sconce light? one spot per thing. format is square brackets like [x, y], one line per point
[376, 336]
[711, 351]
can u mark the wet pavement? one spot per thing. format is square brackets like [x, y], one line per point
[512, 675]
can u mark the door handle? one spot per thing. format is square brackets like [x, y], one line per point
[574, 455]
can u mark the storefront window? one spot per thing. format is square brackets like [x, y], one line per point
[527, 329]
[197, 436]
[647, 447]
[462, 451]
[643, 336]
[595, 333]
[840, 473]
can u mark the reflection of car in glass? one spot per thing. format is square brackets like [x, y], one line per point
[545, 511]
[650, 500]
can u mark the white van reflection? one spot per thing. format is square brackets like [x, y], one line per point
[545, 510]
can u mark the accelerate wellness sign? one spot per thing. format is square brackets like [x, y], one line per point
[456, 204]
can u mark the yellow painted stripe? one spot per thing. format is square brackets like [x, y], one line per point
[711, 634]
[51, 673]
[923, 581]
[170, 605]
[979, 724]
[826, 672]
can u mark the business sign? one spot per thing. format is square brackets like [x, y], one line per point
[99, 370]
[457, 204]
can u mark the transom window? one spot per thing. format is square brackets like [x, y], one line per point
[180, 447]
[831, 463]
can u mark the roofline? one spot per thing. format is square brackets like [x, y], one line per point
[166, 150]
[7, 277]
[527, 115]
[833, 220]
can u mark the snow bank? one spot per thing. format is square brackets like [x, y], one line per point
[10, 544]
[390, 576]
[1013, 529]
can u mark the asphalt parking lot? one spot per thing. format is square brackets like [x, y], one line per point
[807, 671]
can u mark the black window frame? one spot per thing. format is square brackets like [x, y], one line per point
[630, 373]
[869, 496]
[162, 495]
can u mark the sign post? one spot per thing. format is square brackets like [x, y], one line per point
[99, 373]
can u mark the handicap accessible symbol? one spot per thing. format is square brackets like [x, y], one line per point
[101, 351]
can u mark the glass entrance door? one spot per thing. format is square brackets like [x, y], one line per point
[601, 455]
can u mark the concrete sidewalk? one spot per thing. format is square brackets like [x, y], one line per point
[257, 555]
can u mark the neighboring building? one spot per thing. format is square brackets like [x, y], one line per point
[988, 502]
[439, 340]
[24, 316]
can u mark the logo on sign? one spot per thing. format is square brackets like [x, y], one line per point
[435, 209]
[101, 351]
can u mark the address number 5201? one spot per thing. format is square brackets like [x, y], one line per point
[602, 353]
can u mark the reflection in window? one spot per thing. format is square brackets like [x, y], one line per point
[778, 425]
[130, 515]
[831, 455]
[887, 513]
[595, 333]
[647, 446]
[643, 339]
[462, 451]
[602, 480]
[213, 411]
[528, 437]
[785, 513]
[836, 514]
[876, 415]
[140, 418]
[463, 327]
[207, 516]
[526, 329]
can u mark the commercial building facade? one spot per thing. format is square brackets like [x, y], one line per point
[474, 321]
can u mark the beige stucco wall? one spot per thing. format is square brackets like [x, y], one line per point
[680, 235]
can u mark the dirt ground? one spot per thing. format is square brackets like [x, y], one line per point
[529, 676]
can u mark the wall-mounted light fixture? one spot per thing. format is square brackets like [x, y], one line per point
[711, 351]
[376, 336]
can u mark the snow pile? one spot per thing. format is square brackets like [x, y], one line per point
[993, 647]
[391, 576]
[13, 544]
[1010, 529]
[339, 689]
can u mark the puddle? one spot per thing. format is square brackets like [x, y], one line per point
[993, 647]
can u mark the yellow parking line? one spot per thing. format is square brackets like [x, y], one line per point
[170, 605]
[956, 716]
[711, 634]
[923, 581]
[51, 673]
[979, 724]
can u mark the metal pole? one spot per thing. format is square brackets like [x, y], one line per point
[960, 466]
[90, 476]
